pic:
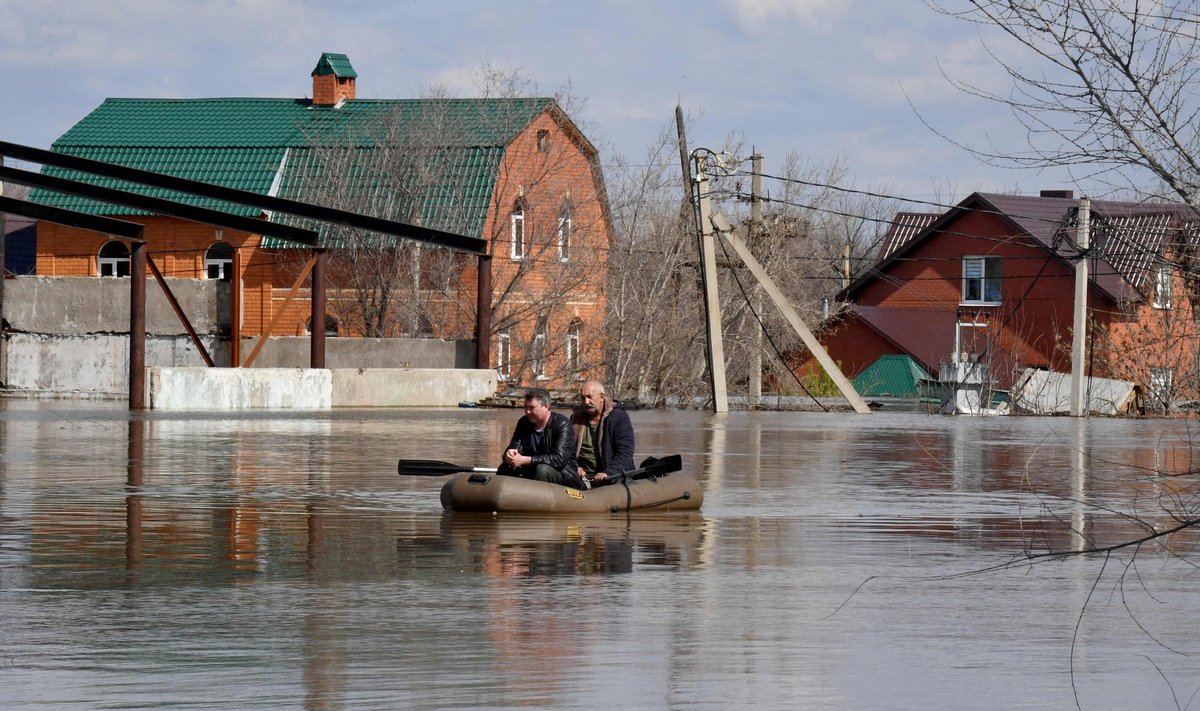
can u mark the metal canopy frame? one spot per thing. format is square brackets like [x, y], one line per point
[133, 232]
[267, 203]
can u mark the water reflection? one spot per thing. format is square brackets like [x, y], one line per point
[278, 561]
[532, 546]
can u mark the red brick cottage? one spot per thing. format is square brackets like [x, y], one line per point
[989, 285]
[516, 172]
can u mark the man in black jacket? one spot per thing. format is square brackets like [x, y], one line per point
[603, 436]
[542, 445]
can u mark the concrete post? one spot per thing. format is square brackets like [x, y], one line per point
[1079, 330]
[712, 305]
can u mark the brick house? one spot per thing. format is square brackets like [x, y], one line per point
[989, 286]
[516, 172]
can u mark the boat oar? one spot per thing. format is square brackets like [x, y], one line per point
[432, 467]
[651, 467]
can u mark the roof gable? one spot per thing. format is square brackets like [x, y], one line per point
[1125, 236]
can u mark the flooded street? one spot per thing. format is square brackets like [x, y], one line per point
[840, 561]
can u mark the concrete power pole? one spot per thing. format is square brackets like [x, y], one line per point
[1079, 331]
[708, 281]
[756, 342]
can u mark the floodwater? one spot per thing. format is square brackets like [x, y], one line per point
[840, 562]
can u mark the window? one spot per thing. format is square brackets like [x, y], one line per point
[564, 235]
[1162, 382]
[1162, 288]
[518, 233]
[218, 262]
[543, 141]
[114, 260]
[573, 330]
[503, 355]
[981, 280]
[539, 353]
[331, 326]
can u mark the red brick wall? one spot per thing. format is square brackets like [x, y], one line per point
[543, 180]
[328, 89]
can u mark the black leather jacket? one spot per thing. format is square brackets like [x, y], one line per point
[558, 446]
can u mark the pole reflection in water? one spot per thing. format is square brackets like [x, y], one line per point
[1079, 518]
[134, 494]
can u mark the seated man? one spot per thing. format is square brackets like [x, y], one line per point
[542, 445]
[603, 436]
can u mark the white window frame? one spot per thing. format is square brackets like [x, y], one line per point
[1163, 279]
[1162, 381]
[223, 265]
[538, 351]
[985, 278]
[564, 236]
[517, 231]
[111, 266]
[503, 355]
[573, 368]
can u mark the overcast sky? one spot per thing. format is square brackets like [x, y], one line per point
[826, 79]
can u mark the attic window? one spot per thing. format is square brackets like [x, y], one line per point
[543, 140]
[1162, 288]
[981, 280]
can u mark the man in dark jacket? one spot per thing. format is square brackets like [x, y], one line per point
[542, 445]
[603, 436]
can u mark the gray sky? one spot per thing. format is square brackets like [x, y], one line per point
[826, 79]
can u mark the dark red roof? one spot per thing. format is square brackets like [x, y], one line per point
[1127, 237]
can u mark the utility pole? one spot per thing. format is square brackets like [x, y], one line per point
[754, 395]
[686, 211]
[1079, 331]
[814, 346]
[708, 283]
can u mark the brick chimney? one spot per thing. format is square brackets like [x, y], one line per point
[333, 80]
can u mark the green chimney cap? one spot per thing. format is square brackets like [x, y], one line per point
[336, 64]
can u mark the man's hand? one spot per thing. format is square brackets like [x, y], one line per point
[599, 476]
[513, 458]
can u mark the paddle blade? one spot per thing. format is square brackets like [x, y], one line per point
[656, 467]
[427, 467]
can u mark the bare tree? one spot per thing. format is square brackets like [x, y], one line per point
[1110, 87]
[655, 319]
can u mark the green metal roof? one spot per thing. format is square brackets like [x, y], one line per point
[336, 64]
[255, 144]
[891, 376]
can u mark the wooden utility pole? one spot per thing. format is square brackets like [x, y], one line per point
[708, 282]
[1079, 330]
[687, 213]
[754, 386]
